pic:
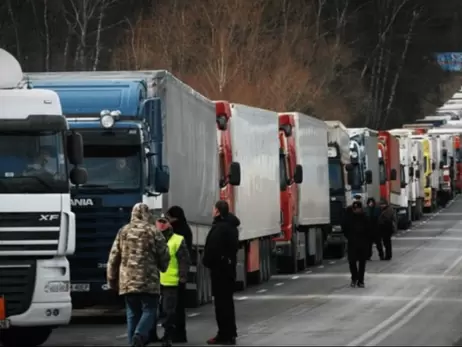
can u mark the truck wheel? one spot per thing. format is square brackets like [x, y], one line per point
[25, 336]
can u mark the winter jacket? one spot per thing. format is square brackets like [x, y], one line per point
[138, 253]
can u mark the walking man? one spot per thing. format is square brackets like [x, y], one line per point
[356, 231]
[220, 256]
[176, 273]
[387, 226]
[137, 255]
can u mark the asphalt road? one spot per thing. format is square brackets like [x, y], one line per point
[415, 299]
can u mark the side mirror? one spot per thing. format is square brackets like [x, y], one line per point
[234, 174]
[441, 165]
[298, 174]
[162, 179]
[78, 175]
[417, 173]
[368, 174]
[393, 175]
[349, 167]
[403, 184]
[411, 171]
[433, 166]
[75, 148]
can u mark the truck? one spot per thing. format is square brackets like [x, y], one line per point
[429, 194]
[248, 141]
[339, 190]
[364, 180]
[305, 208]
[437, 173]
[37, 227]
[390, 169]
[417, 151]
[147, 137]
[409, 208]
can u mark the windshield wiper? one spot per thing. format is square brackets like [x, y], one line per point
[102, 186]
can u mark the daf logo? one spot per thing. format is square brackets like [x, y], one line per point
[48, 217]
[82, 202]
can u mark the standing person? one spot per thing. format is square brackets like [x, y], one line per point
[138, 253]
[387, 226]
[220, 256]
[373, 213]
[355, 226]
[177, 218]
[176, 273]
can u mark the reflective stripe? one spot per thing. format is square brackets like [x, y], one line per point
[171, 277]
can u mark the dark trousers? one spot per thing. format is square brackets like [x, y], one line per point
[181, 311]
[169, 300]
[377, 240]
[141, 314]
[387, 244]
[223, 289]
[357, 263]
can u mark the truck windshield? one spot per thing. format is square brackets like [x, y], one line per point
[357, 177]
[335, 177]
[382, 172]
[112, 167]
[32, 163]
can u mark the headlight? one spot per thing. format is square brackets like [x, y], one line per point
[107, 121]
[57, 287]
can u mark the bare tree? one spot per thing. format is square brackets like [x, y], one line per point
[47, 35]
[15, 25]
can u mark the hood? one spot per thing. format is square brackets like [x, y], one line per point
[230, 219]
[141, 213]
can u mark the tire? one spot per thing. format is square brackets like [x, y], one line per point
[25, 337]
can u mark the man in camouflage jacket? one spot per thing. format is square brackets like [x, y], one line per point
[138, 254]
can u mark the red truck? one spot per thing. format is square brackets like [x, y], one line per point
[389, 167]
[458, 157]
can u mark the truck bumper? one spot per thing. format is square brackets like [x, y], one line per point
[44, 314]
[336, 236]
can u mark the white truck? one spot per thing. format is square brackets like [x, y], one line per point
[408, 151]
[304, 205]
[248, 139]
[436, 155]
[339, 191]
[37, 227]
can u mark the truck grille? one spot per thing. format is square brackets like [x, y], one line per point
[96, 231]
[336, 212]
[17, 284]
[29, 232]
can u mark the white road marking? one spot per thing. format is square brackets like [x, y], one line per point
[262, 291]
[453, 265]
[241, 298]
[123, 336]
[433, 249]
[321, 267]
[332, 262]
[402, 322]
[295, 277]
[194, 314]
[439, 238]
[390, 320]
[369, 275]
[279, 284]
[308, 272]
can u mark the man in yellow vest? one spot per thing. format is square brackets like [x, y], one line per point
[176, 273]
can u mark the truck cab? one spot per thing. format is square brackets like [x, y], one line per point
[37, 226]
[122, 132]
[365, 163]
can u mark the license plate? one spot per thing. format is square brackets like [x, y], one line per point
[80, 287]
[4, 324]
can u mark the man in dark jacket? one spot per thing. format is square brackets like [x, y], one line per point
[387, 226]
[180, 226]
[220, 256]
[355, 227]
[373, 213]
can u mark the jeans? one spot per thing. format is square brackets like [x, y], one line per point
[141, 314]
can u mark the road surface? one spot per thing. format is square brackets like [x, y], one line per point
[414, 299]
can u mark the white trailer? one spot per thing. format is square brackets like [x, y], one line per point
[37, 227]
[255, 146]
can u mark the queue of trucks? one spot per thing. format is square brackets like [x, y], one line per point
[147, 136]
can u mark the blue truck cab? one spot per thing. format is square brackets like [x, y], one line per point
[122, 133]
